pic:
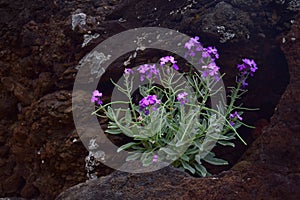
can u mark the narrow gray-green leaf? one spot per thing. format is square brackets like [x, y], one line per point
[113, 131]
[133, 156]
[188, 167]
[126, 146]
[215, 161]
[226, 143]
[201, 169]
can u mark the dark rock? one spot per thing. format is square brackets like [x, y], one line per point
[29, 191]
[13, 183]
[3, 151]
[39, 51]
[43, 85]
[8, 105]
[20, 92]
[268, 170]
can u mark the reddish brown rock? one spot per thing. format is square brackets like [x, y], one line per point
[29, 191]
[268, 170]
[39, 51]
[12, 183]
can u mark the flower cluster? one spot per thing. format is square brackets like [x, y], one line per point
[193, 42]
[182, 98]
[148, 101]
[248, 67]
[210, 51]
[147, 71]
[170, 59]
[193, 45]
[234, 116]
[211, 69]
[208, 57]
[96, 97]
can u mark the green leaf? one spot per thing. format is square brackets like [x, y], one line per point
[147, 158]
[126, 146]
[185, 158]
[138, 148]
[180, 143]
[113, 131]
[198, 159]
[125, 130]
[215, 161]
[219, 137]
[226, 143]
[112, 125]
[133, 156]
[188, 126]
[201, 170]
[197, 144]
[114, 117]
[168, 151]
[192, 151]
[143, 91]
[135, 129]
[128, 118]
[237, 125]
[188, 167]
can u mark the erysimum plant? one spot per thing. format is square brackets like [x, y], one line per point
[172, 121]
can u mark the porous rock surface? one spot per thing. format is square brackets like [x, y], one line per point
[40, 152]
[268, 170]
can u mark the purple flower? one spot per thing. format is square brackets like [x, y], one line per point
[170, 59]
[192, 46]
[155, 158]
[235, 115]
[199, 47]
[205, 54]
[182, 98]
[248, 67]
[192, 42]
[192, 53]
[148, 71]
[167, 59]
[211, 51]
[175, 67]
[231, 123]
[128, 71]
[147, 112]
[96, 97]
[148, 101]
[211, 69]
[241, 67]
[244, 83]
[251, 64]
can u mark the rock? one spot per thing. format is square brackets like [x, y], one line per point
[20, 92]
[13, 183]
[3, 151]
[43, 84]
[29, 191]
[39, 52]
[268, 170]
[8, 105]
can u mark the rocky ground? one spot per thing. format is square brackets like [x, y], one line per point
[39, 50]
